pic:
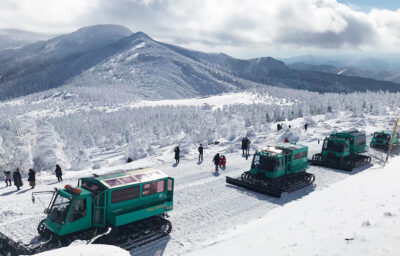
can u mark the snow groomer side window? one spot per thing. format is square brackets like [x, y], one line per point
[125, 194]
[154, 187]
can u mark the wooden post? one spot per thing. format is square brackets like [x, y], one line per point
[391, 139]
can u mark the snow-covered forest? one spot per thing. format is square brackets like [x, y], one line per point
[43, 129]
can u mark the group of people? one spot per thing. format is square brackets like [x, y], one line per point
[17, 177]
[280, 126]
[219, 160]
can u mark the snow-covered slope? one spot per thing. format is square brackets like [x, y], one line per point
[14, 38]
[111, 56]
[357, 216]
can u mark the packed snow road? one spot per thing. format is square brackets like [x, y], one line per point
[205, 207]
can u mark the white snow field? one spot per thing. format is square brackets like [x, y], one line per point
[206, 209]
[356, 216]
[86, 250]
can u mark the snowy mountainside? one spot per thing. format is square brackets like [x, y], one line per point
[153, 71]
[15, 38]
[48, 64]
[111, 56]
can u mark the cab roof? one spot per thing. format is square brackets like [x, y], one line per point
[130, 177]
[281, 148]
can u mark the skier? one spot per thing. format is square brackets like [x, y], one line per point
[216, 161]
[31, 178]
[58, 173]
[243, 145]
[200, 149]
[177, 151]
[17, 179]
[247, 147]
[286, 140]
[7, 176]
[305, 127]
[222, 161]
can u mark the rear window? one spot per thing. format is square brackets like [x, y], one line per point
[153, 188]
[125, 194]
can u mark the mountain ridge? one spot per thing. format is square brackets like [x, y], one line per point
[109, 55]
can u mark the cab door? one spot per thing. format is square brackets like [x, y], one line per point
[79, 215]
[99, 209]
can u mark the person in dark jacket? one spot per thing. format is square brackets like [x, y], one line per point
[216, 161]
[32, 178]
[305, 127]
[58, 173]
[177, 151]
[200, 149]
[247, 147]
[243, 145]
[17, 179]
[7, 178]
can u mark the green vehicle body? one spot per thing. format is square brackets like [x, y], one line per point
[110, 201]
[343, 151]
[278, 161]
[382, 139]
[344, 144]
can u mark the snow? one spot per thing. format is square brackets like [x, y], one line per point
[206, 209]
[86, 250]
[356, 216]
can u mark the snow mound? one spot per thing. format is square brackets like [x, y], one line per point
[87, 250]
[290, 134]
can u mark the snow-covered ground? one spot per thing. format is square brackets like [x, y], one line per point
[356, 216]
[206, 209]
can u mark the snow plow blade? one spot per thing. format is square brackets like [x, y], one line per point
[8, 247]
[254, 187]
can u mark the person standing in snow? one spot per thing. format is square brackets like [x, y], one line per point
[247, 147]
[58, 173]
[32, 178]
[305, 127]
[17, 179]
[177, 151]
[243, 145]
[7, 177]
[200, 149]
[216, 161]
[286, 140]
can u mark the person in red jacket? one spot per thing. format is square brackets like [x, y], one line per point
[286, 140]
[222, 161]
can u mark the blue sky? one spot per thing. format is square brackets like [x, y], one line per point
[366, 5]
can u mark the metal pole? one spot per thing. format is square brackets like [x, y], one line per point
[391, 139]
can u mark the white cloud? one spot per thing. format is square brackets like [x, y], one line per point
[233, 25]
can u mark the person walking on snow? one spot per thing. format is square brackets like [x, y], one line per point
[32, 178]
[200, 149]
[177, 151]
[305, 127]
[286, 140]
[247, 147]
[216, 161]
[58, 173]
[17, 179]
[243, 145]
[7, 177]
